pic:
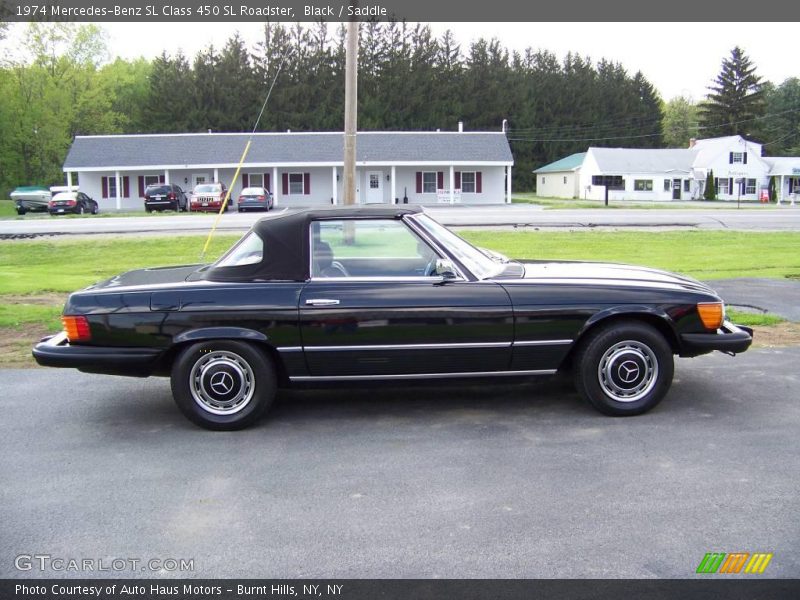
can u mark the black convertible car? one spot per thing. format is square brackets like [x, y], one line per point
[354, 294]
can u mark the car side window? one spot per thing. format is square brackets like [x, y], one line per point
[369, 248]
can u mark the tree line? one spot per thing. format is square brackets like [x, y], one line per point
[409, 79]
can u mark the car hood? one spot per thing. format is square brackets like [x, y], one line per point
[608, 274]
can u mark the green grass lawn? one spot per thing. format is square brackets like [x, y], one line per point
[701, 254]
[56, 267]
[753, 319]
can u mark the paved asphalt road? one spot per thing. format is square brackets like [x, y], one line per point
[776, 296]
[786, 219]
[503, 481]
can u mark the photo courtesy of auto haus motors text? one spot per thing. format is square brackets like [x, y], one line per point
[169, 590]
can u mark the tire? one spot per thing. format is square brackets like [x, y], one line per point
[21, 211]
[624, 368]
[250, 378]
[81, 209]
[95, 210]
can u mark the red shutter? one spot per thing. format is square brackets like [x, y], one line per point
[440, 180]
[285, 182]
[478, 182]
[419, 182]
[306, 183]
[105, 187]
[267, 182]
[126, 188]
[141, 186]
[458, 180]
[162, 179]
[245, 180]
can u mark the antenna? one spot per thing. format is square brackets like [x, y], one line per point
[244, 154]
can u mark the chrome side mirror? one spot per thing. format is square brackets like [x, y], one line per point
[445, 269]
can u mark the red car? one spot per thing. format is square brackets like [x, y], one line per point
[209, 197]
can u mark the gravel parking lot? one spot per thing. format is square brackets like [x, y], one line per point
[510, 481]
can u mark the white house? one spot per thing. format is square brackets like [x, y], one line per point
[666, 174]
[301, 169]
[786, 171]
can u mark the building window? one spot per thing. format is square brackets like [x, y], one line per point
[722, 185]
[468, 182]
[255, 180]
[565, 180]
[429, 182]
[687, 185]
[750, 187]
[151, 180]
[296, 184]
[542, 180]
[667, 185]
[643, 185]
[737, 157]
[112, 187]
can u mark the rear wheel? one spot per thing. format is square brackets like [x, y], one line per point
[81, 209]
[21, 211]
[223, 385]
[624, 368]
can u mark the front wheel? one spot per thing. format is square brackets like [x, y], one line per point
[624, 368]
[223, 385]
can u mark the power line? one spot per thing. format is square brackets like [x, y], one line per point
[650, 135]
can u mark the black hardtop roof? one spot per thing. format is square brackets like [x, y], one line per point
[286, 245]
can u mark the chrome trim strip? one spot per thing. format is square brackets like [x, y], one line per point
[290, 349]
[408, 347]
[305, 378]
[542, 343]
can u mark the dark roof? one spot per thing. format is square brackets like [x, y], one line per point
[131, 151]
[285, 238]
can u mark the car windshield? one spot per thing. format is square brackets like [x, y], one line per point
[473, 259]
[249, 250]
[208, 188]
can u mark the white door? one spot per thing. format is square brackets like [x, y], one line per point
[198, 178]
[374, 187]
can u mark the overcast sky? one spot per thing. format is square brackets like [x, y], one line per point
[678, 58]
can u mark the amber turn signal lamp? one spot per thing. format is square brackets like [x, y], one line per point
[77, 328]
[711, 314]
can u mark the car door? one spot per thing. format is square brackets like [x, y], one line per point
[370, 309]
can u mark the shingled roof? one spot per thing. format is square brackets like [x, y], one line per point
[222, 149]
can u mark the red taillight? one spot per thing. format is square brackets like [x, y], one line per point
[70, 202]
[241, 198]
[262, 198]
[77, 328]
[171, 196]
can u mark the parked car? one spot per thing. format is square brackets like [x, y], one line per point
[72, 202]
[31, 198]
[161, 196]
[354, 294]
[209, 197]
[255, 198]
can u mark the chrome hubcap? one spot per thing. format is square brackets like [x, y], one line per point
[222, 382]
[628, 371]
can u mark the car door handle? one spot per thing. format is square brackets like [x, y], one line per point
[321, 302]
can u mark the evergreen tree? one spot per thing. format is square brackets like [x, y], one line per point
[736, 98]
[772, 190]
[710, 193]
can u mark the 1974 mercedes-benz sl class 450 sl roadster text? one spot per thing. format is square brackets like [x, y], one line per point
[352, 294]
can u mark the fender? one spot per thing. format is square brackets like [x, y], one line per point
[633, 310]
[216, 333]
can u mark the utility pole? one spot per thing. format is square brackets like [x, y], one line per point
[350, 112]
